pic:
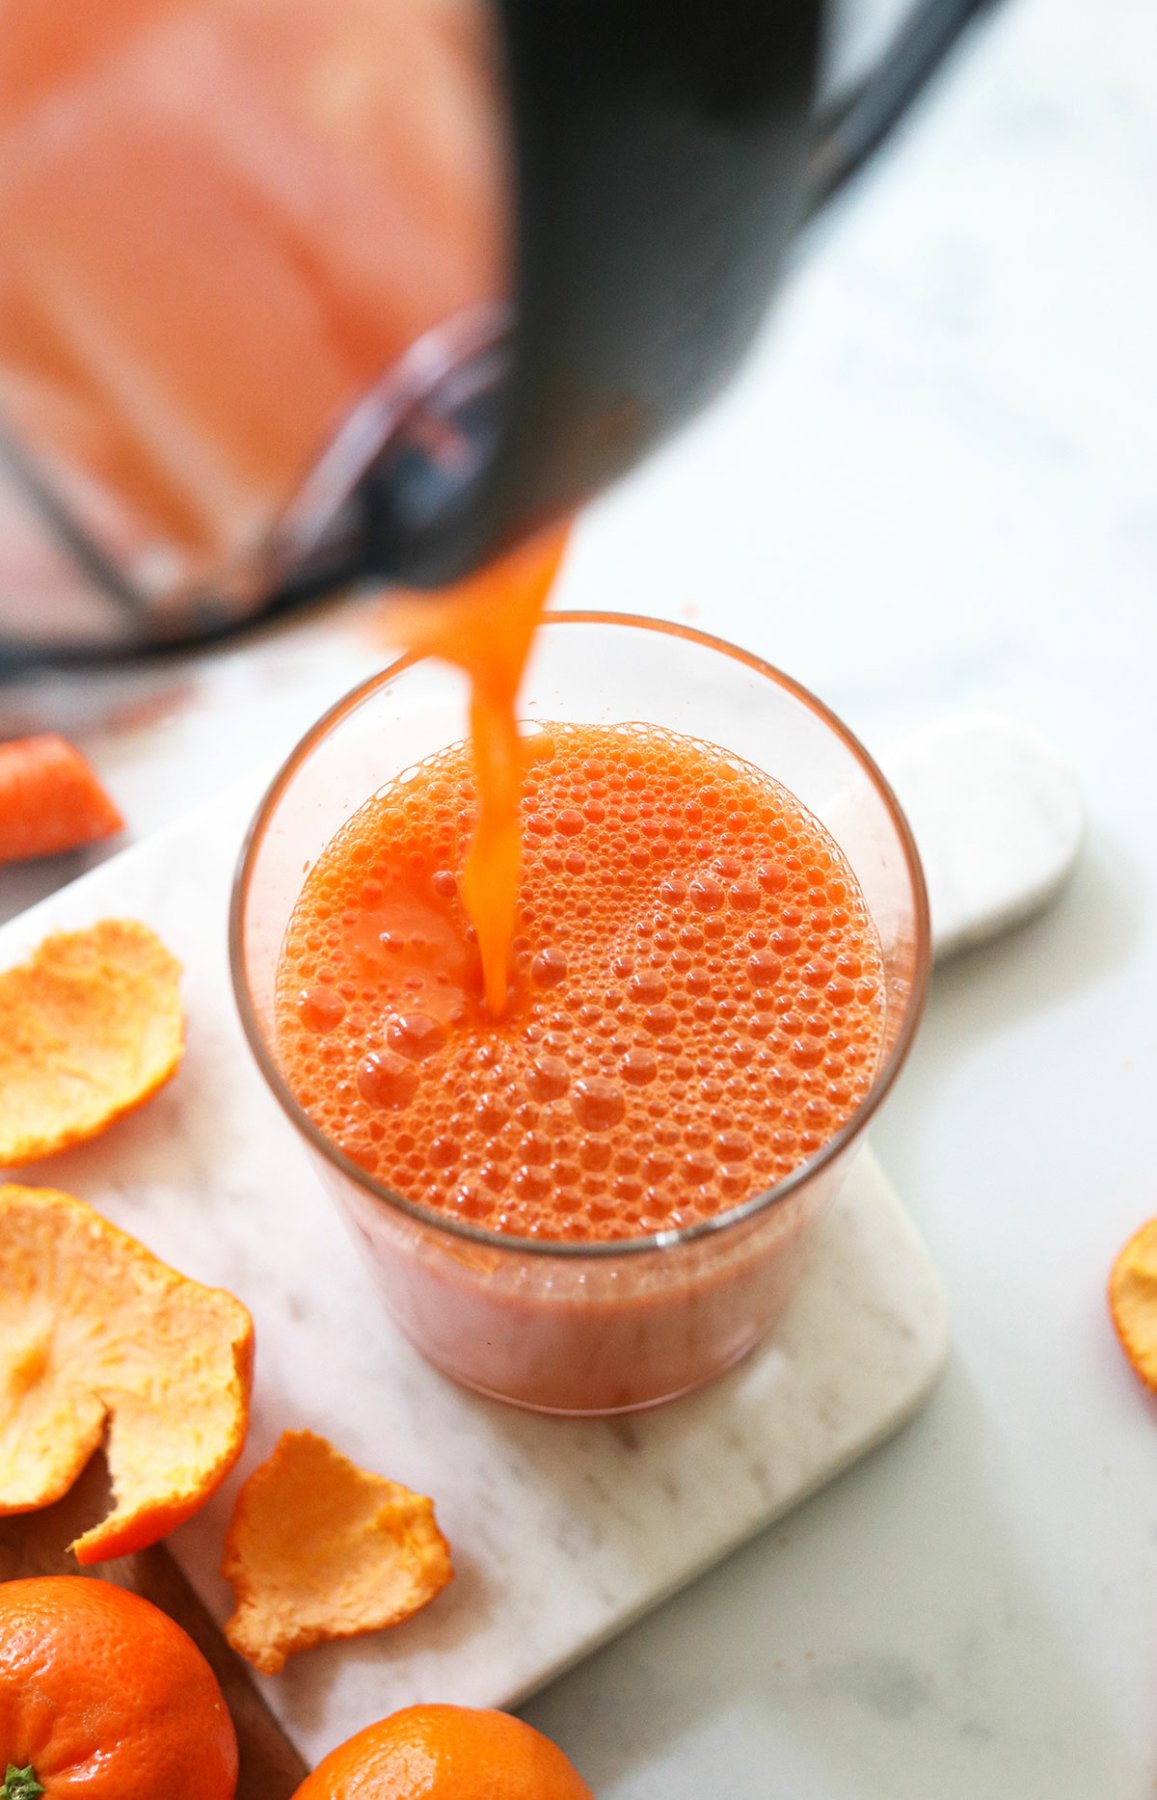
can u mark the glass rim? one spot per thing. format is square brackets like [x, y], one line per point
[570, 1249]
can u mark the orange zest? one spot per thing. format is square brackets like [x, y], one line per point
[50, 799]
[90, 1028]
[98, 1337]
[101, 1694]
[446, 1753]
[1133, 1302]
[484, 625]
[319, 1549]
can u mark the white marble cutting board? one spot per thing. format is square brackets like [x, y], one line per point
[562, 1532]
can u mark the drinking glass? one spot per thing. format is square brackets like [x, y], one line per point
[562, 1326]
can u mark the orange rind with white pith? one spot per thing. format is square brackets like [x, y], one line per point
[321, 1549]
[100, 1342]
[90, 1028]
[1133, 1302]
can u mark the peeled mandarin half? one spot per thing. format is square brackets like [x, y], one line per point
[98, 1337]
[318, 1549]
[90, 1028]
[1133, 1301]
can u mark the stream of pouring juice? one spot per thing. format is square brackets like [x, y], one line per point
[671, 1002]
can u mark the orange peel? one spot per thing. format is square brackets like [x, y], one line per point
[1133, 1301]
[90, 1027]
[318, 1549]
[100, 1340]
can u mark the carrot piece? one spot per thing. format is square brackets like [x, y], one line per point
[50, 799]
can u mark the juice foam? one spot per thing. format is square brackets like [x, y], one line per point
[695, 999]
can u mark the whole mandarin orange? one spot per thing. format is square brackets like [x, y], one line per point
[446, 1753]
[103, 1697]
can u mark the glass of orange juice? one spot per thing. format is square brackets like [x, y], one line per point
[603, 1198]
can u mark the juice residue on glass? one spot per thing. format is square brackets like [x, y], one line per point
[694, 1001]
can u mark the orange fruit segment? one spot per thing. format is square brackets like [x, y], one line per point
[1133, 1301]
[97, 1336]
[319, 1549]
[90, 1028]
[103, 1695]
[446, 1753]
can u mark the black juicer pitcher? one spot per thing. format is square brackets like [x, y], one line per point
[299, 292]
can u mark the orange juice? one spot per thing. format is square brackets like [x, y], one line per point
[693, 1005]
[594, 1190]
[484, 625]
[580, 988]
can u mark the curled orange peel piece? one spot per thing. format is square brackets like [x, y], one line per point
[1133, 1301]
[90, 1028]
[319, 1549]
[99, 1340]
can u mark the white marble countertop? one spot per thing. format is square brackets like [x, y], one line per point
[934, 489]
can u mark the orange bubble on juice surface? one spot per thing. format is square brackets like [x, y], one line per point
[694, 1000]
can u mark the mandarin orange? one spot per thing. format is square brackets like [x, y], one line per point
[446, 1753]
[103, 1696]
